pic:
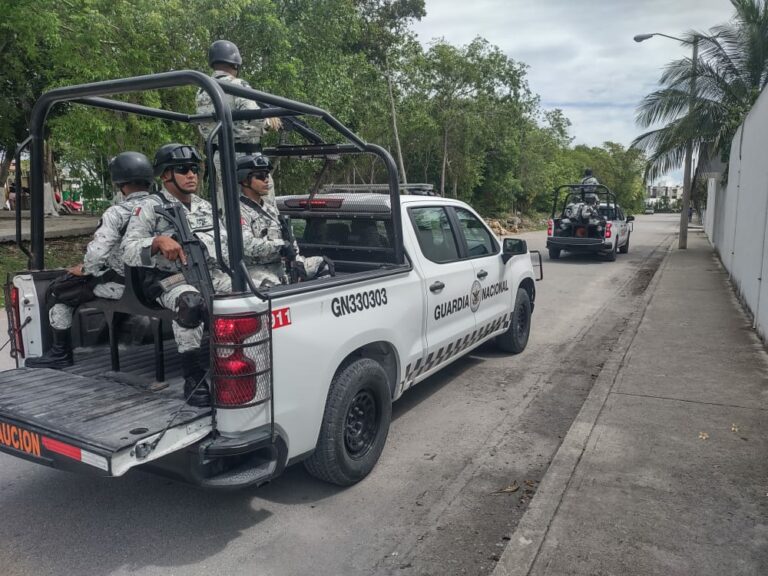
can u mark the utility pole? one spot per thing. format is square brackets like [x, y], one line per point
[687, 176]
[401, 165]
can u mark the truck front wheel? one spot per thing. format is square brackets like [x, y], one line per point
[515, 339]
[355, 424]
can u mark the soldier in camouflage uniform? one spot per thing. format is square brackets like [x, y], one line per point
[265, 245]
[149, 243]
[101, 272]
[224, 57]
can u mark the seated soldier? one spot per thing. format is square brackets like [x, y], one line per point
[101, 272]
[265, 242]
[149, 243]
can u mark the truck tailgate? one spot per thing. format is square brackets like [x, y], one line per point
[69, 420]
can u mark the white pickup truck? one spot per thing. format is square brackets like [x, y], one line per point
[303, 372]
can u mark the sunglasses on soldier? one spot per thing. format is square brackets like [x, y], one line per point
[260, 175]
[194, 168]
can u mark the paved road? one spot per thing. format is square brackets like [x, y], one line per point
[429, 507]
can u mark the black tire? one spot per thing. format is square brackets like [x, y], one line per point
[611, 256]
[355, 424]
[515, 339]
[624, 249]
[554, 253]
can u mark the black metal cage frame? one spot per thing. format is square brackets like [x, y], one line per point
[92, 94]
[580, 190]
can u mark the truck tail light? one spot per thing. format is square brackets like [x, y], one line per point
[15, 317]
[241, 366]
[550, 226]
[608, 229]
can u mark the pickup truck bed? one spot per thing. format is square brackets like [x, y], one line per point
[85, 407]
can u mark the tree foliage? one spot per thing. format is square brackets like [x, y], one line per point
[467, 118]
[729, 73]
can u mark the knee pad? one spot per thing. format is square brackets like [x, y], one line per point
[190, 309]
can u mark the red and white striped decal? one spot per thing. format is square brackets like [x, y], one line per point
[75, 453]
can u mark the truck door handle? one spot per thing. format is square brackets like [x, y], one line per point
[482, 274]
[437, 286]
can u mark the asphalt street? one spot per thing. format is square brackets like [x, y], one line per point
[466, 451]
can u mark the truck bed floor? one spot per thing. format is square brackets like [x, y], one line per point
[87, 404]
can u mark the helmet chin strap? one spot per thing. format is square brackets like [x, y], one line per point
[248, 186]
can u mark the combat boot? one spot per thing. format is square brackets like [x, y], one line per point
[196, 389]
[58, 356]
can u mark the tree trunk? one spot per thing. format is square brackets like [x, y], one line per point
[5, 166]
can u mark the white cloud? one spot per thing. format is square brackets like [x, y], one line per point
[581, 55]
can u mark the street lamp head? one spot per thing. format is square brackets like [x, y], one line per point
[641, 37]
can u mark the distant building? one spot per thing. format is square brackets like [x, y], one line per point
[654, 193]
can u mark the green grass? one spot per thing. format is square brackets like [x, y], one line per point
[59, 253]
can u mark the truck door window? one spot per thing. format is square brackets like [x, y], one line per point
[433, 229]
[479, 240]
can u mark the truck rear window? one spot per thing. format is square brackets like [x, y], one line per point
[352, 233]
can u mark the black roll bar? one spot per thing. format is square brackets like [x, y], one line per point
[92, 94]
[138, 83]
[19, 196]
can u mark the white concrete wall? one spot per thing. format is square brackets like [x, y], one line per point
[737, 216]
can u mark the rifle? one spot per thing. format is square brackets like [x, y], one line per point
[287, 232]
[195, 270]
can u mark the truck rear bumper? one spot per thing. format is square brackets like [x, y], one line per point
[588, 245]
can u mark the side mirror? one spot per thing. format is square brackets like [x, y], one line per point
[630, 218]
[513, 247]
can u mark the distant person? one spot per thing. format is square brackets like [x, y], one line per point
[690, 214]
[224, 57]
[589, 179]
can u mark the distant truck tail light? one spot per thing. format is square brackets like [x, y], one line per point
[241, 367]
[608, 226]
[550, 226]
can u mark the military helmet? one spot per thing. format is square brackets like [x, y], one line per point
[130, 167]
[249, 164]
[588, 172]
[226, 52]
[175, 155]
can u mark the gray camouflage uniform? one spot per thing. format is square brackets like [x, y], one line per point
[103, 254]
[262, 241]
[245, 131]
[137, 244]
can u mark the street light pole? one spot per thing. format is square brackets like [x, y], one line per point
[688, 177]
[682, 243]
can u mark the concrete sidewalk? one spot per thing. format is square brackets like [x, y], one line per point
[55, 226]
[665, 469]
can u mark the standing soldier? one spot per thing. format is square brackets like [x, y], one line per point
[149, 243]
[265, 238]
[101, 272]
[224, 57]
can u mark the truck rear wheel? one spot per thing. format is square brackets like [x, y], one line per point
[554, 253]
[624, 249]
[515, 339]
[355, 424]
[611, 256]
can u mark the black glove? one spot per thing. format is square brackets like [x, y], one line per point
[327, 268]
[288, 252]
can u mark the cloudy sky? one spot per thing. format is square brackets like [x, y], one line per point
[581, 54]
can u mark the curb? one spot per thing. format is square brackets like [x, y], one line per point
[68, 233]
[525, 543]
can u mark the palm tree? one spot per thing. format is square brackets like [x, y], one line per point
[730, 73]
